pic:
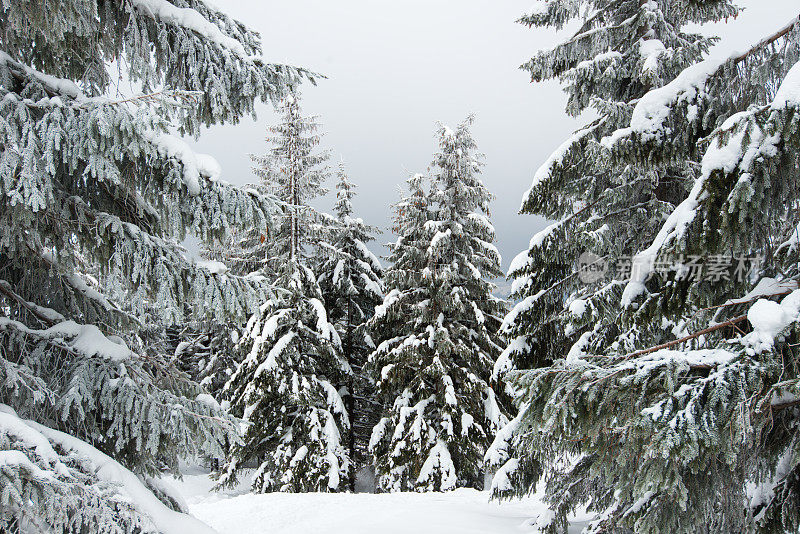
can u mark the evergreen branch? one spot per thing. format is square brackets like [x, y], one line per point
[767, 41]
[46, 317]
[729, 322]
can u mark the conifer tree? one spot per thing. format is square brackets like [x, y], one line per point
[604, 211]
[351, 280]
[293, 171]
[287, 388]
[436, 329]
[95, 195]
[682, 414]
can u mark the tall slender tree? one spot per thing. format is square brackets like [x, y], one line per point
[437, 331]
[287, 388]
[351, 280]
[95, 195]
[293, 171]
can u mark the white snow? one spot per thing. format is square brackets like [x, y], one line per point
[769, 319]
[208, 400]
[208, 166]
[518, 345]
[577, 350]
[58, 85]
[578, 307]
[170, 146]
[556, 159]
[502, 479]
[191, 20]
[213, 266]
[538, 9]
[439, 460]
[85, 339]
[725, 156]
[373, 259]
[701, 357]
[789, 92]
[651, 50]
[323, 326]
[105, 468]
[654, 107]
[271, 362]
[462, 511]
[521, 307]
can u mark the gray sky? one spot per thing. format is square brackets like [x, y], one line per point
[395, 68]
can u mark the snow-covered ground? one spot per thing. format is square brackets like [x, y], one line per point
[459, 512]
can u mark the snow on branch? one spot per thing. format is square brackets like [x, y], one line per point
[39, 440]
[735, 146]
[83, 339]
[192, 20]
[556, 160]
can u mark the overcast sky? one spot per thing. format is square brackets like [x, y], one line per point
[395, 68]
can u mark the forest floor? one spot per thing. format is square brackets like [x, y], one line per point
[458, 512]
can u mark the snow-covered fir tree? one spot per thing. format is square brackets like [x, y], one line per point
[350, 277]
[288, 388]
[620, 50]
[287, 392]
[676, 410]
[95, 195]
[603, 211]
[437, 331]
[293, 170]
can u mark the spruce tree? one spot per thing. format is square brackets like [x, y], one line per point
[287, 390]
[682, 416]
[95, 195]
[350, 277]
[437, 331]
[293, 171]
[603, 210]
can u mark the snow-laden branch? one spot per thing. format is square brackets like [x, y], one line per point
[39, 441]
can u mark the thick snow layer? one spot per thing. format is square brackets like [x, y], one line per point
[789, 92]
[59, 85]
[39, 438]
[653, 108]
[170, 146]
[539, 8]
[213, 266]
[323, 326]
[191, 20]
[770, 319]
[85, 339]
[651, 50]
[462, 511]
[439, 463]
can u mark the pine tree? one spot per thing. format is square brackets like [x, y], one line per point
[436, 329]
[351, 280]
[287, 389]
[95, 195]
[683, 415]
